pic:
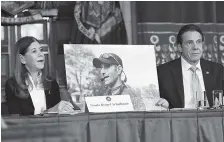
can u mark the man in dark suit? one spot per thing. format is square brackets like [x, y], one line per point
[180, 79]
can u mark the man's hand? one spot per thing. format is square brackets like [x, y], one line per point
[163, 103]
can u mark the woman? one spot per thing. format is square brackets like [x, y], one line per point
[29, 91]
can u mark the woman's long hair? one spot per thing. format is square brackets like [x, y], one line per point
[21, 72]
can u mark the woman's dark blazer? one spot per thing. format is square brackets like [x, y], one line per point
[21, 106]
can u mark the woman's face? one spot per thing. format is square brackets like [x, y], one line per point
[33, 59]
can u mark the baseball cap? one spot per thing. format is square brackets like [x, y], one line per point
[107, 58]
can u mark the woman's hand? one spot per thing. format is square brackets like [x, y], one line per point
[65, 107]
[62, 107]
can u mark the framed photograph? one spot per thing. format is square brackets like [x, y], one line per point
[89, 72]
[38, 30]
[15, 7]
[4, 36]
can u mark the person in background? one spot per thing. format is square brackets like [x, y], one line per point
[180, 79]
[111, 71]
[30, 91]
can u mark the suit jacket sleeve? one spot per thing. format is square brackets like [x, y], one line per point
[57, 98]
[221, 75]
[167, 88]
[12, 102]
[223, 78]
[160, 81]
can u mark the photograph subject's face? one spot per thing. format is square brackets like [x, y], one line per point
[109, 74]
[192, 46]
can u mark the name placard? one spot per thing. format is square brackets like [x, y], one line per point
[116, 103]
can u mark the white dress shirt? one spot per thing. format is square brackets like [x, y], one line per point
[37, 95]
[187, 74]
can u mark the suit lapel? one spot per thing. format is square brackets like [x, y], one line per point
[178, 78]
[48, 98]
[207, 79]
[48, 93]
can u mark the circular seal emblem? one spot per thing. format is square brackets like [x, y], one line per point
[172, 39]
[154, 39]
[108, 98]
[222, 39]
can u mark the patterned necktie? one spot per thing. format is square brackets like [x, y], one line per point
[195, 87]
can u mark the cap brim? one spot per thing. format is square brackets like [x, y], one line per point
[98, 61]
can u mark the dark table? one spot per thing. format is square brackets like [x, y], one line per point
[172, 126]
